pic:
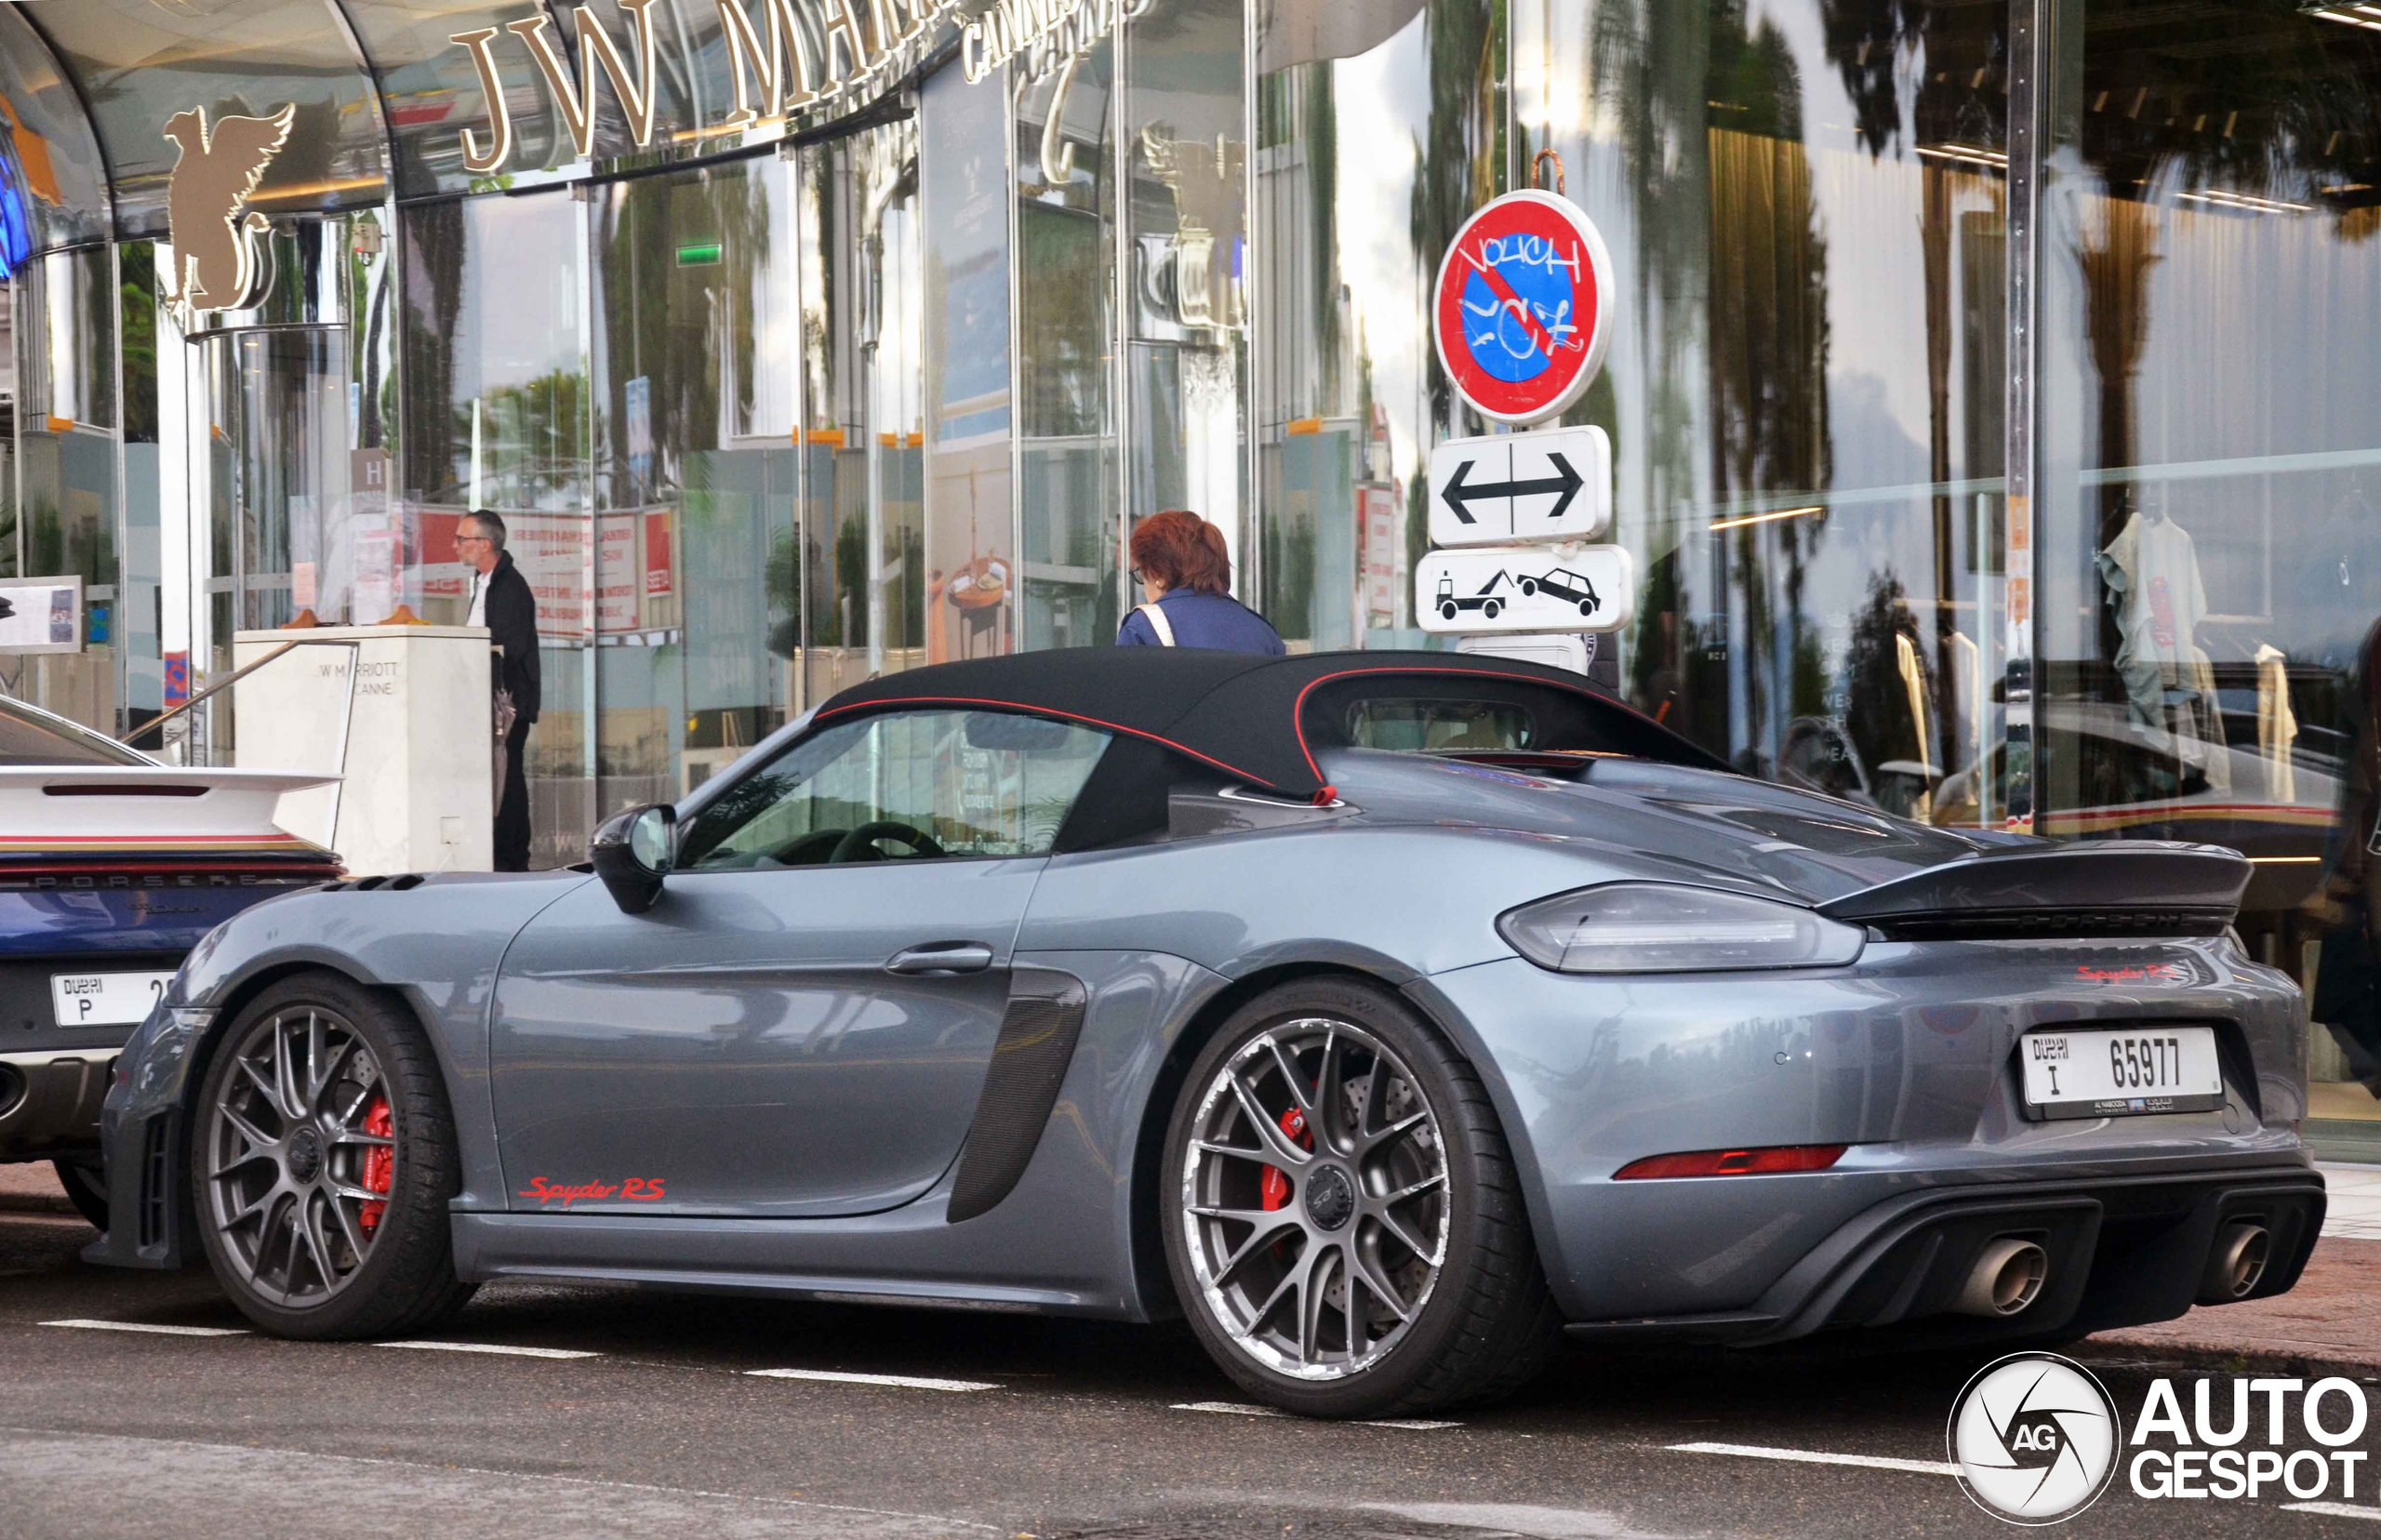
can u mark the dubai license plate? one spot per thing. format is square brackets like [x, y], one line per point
[106, 999]
[2121, 1072]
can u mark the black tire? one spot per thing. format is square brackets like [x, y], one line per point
[404, 1279]
[1486, 1325]
[86, 1181]
[1529, 587]
[1446, 609]
[1493, 608]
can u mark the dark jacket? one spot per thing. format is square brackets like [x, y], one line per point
[1204, 620]
[512, 623]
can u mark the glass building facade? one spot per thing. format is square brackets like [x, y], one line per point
[1986, 402]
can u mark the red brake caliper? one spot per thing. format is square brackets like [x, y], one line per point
[380, 1162]
[1274, 1187]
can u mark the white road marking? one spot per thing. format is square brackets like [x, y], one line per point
[494, 1347]
[1412, 1425]
[1241, 1409]
[1820, 1456]
[1234, 1408]
[144, 1326]
[2334, 1510]
[905, 1382]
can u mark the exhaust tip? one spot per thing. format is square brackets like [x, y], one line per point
[2237, 1265]
[2006, 1278]
[12, 1088]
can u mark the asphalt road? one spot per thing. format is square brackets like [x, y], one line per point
[662, 1429]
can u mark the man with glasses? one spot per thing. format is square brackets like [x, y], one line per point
[501, 602]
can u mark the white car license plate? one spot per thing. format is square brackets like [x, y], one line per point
[106, 999]
[2113, 1073]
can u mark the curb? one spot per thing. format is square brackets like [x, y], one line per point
[2230, 1359]
[38, 1203]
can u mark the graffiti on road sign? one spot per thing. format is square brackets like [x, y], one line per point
[1523, 306]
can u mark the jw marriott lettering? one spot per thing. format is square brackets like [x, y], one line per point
[797, 55]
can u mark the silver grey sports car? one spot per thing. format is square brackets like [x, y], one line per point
[1387, 1014]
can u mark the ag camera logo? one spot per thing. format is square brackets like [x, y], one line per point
[2035, 1438]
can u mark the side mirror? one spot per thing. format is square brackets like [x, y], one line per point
[631, 852]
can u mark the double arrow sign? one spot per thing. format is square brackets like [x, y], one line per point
[1460, 493]
[1547, 485]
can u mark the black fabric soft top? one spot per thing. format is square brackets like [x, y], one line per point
[1238, 713]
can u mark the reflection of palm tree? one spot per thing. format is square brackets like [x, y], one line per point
[435, 240]
[1768, 335]
[1458, 166]
[2116, 260]
[1649, 61]
[1876, 45]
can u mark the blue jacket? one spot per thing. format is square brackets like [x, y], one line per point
[1204, 620]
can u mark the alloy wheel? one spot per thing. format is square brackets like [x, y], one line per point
[299, 1150]
[1315, 1199]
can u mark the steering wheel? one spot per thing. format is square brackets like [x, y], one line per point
[860, 843]
[807, 849]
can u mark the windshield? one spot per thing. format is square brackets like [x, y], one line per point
[31, 739]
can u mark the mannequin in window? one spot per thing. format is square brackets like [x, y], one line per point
[2151, 571]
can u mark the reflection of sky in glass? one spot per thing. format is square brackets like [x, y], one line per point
[1386, 90]
[1876, 276]
[519, 318]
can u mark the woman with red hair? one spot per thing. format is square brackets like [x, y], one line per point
[1182, 564]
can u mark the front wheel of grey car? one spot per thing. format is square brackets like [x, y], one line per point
[323, 1158]
[1343, 1219]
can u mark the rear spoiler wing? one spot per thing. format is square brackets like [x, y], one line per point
[2094, 888]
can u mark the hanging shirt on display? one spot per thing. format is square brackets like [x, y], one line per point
[2151, 571]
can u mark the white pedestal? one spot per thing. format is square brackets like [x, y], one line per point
[413, 739]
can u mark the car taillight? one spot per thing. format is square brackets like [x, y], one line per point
[1767, 1161]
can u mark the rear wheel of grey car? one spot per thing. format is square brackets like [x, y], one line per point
[323, 1158]
[1343, 1220]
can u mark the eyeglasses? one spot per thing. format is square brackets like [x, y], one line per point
[473, 540]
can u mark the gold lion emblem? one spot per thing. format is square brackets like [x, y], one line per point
[214, 254]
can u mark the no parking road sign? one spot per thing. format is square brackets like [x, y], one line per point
[1523, 306]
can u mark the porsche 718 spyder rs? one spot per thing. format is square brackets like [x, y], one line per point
[1387, 1014]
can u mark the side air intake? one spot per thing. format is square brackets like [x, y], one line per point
[1030, 1060]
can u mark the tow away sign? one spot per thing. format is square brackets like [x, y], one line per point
[1502, 589]
[1554, 484]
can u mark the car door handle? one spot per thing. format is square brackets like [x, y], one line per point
[942, 957]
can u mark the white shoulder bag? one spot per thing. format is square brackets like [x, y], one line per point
[1158, 623]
